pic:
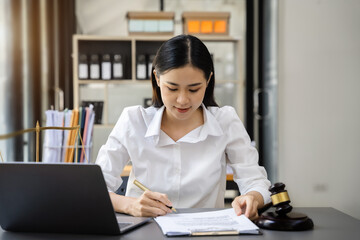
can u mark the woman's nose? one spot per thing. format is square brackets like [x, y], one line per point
[183, 98]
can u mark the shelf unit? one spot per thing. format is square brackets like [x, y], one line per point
[116, 94]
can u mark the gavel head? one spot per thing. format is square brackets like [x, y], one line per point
[280, 198]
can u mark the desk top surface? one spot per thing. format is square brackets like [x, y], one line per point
[329, 224]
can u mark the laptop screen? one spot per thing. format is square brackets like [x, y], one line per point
[70, 198]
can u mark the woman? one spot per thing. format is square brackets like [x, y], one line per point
[179, 147]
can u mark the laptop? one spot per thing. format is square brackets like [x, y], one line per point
[59, 198]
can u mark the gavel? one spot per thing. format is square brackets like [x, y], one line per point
[282, 219]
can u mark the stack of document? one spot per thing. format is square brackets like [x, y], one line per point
[222, 222]
[53, 140]
[65, 145]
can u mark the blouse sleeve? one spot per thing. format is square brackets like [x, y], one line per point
[243, 158]
[113, 156]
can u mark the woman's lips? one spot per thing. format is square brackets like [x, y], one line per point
[182, 110]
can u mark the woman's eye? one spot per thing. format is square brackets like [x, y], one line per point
[172, 89]
[193, 90]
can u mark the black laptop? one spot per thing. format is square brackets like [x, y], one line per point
[61, 198]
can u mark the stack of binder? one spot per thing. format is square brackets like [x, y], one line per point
[65, 145]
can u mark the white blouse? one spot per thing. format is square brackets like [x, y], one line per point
[192, 170]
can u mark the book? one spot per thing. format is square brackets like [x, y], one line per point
[220, 222]
[66, 123]
[82, 126]
[72, 136]
[88, 141]
[78, 148]
[89, 111]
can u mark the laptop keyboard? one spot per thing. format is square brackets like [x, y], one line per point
[124, 224]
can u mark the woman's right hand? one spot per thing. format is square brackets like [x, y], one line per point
[149, 204]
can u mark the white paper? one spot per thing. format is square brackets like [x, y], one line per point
[222, 220]
[52, 146]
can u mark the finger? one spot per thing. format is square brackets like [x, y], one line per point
[249, 207]
[236, 206]
[255, 212]
[150, 202]
[157, 204]
[159, 211]
[242, 202]
[148, 211]
[152, 199]
[159, 197]
[149, 207]
[255, 215]
[164, 199]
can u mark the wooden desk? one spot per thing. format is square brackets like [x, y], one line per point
[330, 224]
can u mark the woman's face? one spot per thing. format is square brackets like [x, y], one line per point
[182, 91]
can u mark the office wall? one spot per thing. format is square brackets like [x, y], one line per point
[319, 112]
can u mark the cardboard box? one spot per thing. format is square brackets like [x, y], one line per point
[206, 23]
[151, 23]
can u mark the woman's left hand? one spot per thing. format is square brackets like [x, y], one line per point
[248, 204]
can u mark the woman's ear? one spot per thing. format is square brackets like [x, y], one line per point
[157, 78]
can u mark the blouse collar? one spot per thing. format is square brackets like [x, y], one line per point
[210, 127]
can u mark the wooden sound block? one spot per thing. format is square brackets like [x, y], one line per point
[292, 221]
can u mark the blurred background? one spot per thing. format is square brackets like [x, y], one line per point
[294, 78]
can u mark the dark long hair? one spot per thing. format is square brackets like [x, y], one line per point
[178, 52]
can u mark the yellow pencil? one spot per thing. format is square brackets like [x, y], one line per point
[142, 187]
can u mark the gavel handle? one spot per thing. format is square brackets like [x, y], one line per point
[264, 208]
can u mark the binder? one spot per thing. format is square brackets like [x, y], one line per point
[69, 155]
[89, 111]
